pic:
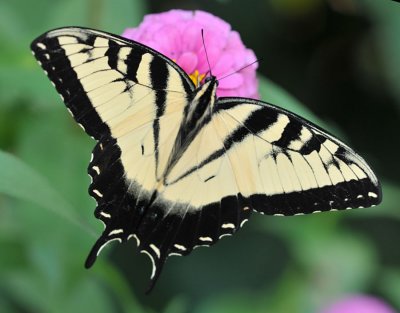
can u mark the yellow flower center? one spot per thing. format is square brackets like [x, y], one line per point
[196, 77]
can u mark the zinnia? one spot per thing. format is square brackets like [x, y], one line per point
[177, 34]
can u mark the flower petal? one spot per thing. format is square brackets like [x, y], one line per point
[231, 82]
[223, 66]
[188, 61]
[177, 34]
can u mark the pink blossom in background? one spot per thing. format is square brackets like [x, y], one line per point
[359, 304]
[177, 34]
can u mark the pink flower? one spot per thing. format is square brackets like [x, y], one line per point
[359, 304]
[177, 34]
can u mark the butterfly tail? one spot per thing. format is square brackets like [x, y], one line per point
[156, 274]
[97, 247]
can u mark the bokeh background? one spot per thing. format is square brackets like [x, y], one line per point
[335, 62]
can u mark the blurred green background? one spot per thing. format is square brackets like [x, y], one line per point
[339, 58]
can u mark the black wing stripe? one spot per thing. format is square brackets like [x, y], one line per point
[132, 62]
[159, 79]
[67, 84]
[290, 133]
[257, 122]
[112, 54]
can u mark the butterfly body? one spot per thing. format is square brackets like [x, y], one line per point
[196, 114]
[174, 166]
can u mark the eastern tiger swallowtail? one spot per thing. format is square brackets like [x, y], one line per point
[174, 166]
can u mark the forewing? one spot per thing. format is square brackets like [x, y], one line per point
[103, 78]
[295, 167]
[281, 164]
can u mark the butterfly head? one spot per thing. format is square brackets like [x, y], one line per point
[207, 92]
[204, 98]
[211, 79]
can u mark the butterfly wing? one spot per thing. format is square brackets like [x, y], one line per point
[254, 156]
[131, 99]
[281, 164]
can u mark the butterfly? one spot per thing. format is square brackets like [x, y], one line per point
[175, 167]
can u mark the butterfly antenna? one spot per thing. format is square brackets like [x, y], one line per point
[242, 68]
[204, 45]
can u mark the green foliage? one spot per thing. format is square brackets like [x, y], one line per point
[47, 227]
[387, 28]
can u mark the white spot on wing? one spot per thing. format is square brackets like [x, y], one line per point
[96, 169]
[136, 237]
[180, 247]
[372, 195]
[224, 235]
[199, 246]
[106, 243]
[70, 112]
[41, 45]
[153, 264]
[174, 253]
[228, 225]
[106, 215]
[115, 232]
[155, 249]
[243, 222]
[205, 239]
[98, 193]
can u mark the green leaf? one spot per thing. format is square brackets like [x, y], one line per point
[20, 181]
[116, 17]
[122, 292]
[386, 18]
[230, 303]
[272, 93]
[276, 95]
